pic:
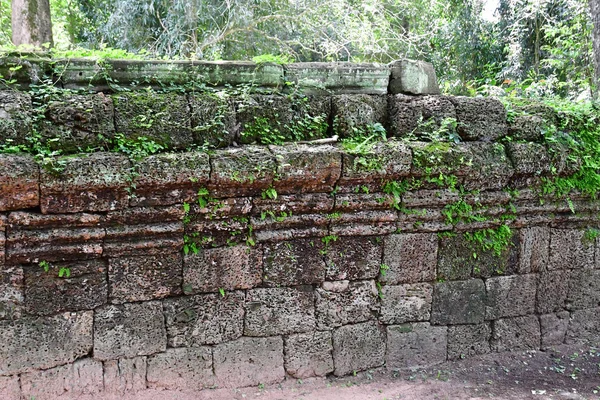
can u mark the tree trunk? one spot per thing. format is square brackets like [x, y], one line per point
[595, 13]
[31, 24]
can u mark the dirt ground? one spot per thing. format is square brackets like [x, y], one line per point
[564, 372]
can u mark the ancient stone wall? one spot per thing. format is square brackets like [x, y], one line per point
[248, 264]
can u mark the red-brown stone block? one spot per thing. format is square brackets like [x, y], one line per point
[19, 182]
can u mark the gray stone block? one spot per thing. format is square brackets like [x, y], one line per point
[249, 362]
[357, 112]
[552, 290]
[204, 319]
[480, 118]
[458, 302]
[584, 289]
[415, 345]
[468, 340]
[357, 302]
[212, 119]
[569, 250]
[406, 303]
[584, 327]
[12, 296]
[42, 343]
[308, 354]
[16, 117]
[180, 369]
[353, 258]
[515, 334]
[534, 249]
[129, 330]
[554, 328]
[413, 77]
[126, 375]
[295, 262]
[510, 296]
[279, 311]
[411, 258]
[358, 347]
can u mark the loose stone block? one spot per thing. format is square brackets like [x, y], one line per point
[569, 250]
[279, 311]
[584, 290]
[129, 330]
[515, 334]
[552, 290]
[296, 262]
[480, 118]
[204, 319]
[144, 278]
[510, 296]
[406, 303]
[170, 178]
[19, 181]
[468, 340]
[584, 327]
[42, 343]
[90, 182]
[415, 345]
[126, 375]
[534, 249]
[357, 112]
[161, 117]
[358, 347]
[229, 268]
[357, 303]
[353, 258]
[83, 287]
[16, 116]
[459, 302]
[212, 118]
[554, 328]
[12, 294]
[185, 368]
[413, 77]
[10, 388]
[249, 362]
[411, 258]
[308, 354]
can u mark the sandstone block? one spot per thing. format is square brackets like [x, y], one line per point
[411, 258]
[568, 250]
[354, 258]
[584, 289]
[279, 311]
[308, 354]
[552, 290]
[534, 249]
[19, 181]
[129, 330]
[180, 369]
[406, 303]
[459, 302]
[213, 119]
[358, 347]
[510, 296]
[584, 327]
[357, 303]
[468, 340]
[413, 77]
[296, 262]
[125, 375]
[554, 328]
[249, 362]
[480, 118]
[515, 334]
[415, 345]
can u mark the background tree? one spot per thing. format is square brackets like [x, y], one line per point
[595, 17]
[31, 24]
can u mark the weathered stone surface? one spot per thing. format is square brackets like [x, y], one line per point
[16, 117]
[12, 295]
[415, 345]
[552, 290]
[208, 231]
[204, 319]
[212, 118]
[144, 278]
[584, 289]
[82, 286]
[291, 204]
[133, 239]
[357, 112]
[76, 122]
[358, 303]
[526, 127]
[308, 354]
[529, 159]
[10, 388]
[353, 258]
[279, 311]
[358, 347]
[83, 377]
[241, 171]
[510, 296]
[514, 334]
[229, 268]
[554, 328]
[249, 362]
[480, 118]
[129, 330]
[569, 250]
[19, 181]
[458, 302]
[306, 168]
[411, 258]
[161, 117]
[413, 77]
[406, 303]
[126, 375]
[282, 227]
[364, 223]
[534, 248]
[34, 237]
[296, 262]
[90, 182]
[185, 368]
[584, 327]
[170, 178]
[42, 343]
[468, 340]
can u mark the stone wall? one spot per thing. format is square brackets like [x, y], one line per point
[251, 264]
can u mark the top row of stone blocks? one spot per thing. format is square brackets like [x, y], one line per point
[403, 76]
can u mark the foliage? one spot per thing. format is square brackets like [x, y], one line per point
[496, 240]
